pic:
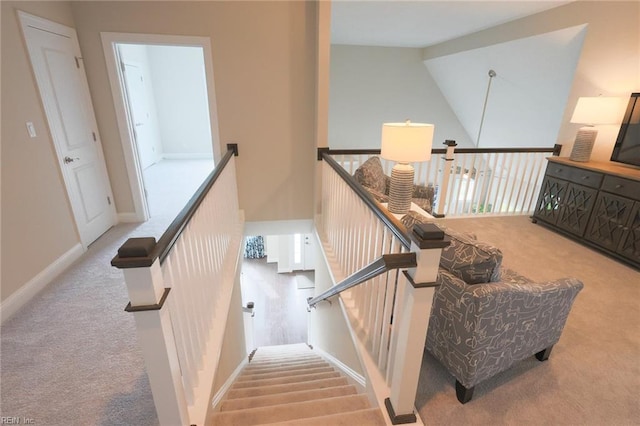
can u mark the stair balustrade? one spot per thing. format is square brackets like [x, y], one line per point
[389, 308]
[472, 181]
[180, 290]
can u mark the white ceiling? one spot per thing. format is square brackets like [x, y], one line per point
[421, 23]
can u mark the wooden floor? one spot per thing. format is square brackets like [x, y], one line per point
[280, 306]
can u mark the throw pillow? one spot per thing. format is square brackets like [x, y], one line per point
[471, 260]
[371, 176]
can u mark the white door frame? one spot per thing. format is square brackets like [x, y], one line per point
[50, 107]
[132, 161]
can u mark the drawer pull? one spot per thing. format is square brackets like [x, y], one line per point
[585, 177]
[618, 186]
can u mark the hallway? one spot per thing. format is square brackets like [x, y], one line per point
[70, 355]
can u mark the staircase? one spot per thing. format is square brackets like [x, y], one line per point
[291, 385]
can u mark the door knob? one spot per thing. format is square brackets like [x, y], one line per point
[68, 159]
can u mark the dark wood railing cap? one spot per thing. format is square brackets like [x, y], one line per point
[136, 253]
[429, 236]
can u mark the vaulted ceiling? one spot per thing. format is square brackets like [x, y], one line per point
[422, 23]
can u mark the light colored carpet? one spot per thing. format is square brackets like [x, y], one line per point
[70, 357]
[291, 384]
[593, 374]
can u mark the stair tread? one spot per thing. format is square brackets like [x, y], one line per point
[292, 411]
[277, 399]
[285, 373]
[281, 366]
[286, 388]
[255, 363]
[369, 417]
[247, 371]
[284, 380]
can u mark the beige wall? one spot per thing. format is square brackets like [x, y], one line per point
[264, 66]
[609, 63]
[37, 223]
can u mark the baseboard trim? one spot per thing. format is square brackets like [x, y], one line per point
[188, 156]
[128, 218]
[28, 291]
[355, 376]
[219, 396]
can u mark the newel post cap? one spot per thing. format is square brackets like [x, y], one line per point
[429, 236]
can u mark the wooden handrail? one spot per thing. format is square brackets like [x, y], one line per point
[142, 252]
[385, 263]
[555, 150]
[387, 218]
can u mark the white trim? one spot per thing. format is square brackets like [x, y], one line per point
[348, 371]
[134, 173]
[128, 218]
[28, 291]
[219, 396]
[188, 156]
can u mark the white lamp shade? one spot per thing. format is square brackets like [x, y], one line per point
[407, 142]
[598, 110]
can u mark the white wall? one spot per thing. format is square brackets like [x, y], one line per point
[180, 88]
[528, 95]
[609, 63]
[373, 85]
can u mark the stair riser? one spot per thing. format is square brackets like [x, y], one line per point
[264, 415]
[284, 380]
[290, 387]
[289, 373]
[285, 361]
[284, 368]
[269, 400]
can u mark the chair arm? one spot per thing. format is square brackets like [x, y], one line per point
[479, 330]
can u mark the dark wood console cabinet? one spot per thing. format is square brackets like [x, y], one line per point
[597, 203]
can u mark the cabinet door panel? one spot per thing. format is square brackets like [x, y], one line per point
[551, 195]
[630, 242]
[575, 209]
[609, 217]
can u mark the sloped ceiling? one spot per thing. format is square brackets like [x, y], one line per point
[526, 99]
[422, 23]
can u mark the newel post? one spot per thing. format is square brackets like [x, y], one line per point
[143, 276]
[427, 242]
[446, 175]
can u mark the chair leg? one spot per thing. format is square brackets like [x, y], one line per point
[543, 355]
[464, 395]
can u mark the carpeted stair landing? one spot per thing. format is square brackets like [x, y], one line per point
[292, 385]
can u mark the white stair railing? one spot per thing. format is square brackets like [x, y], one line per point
[180, 291]
[389, 313]
[471, 182]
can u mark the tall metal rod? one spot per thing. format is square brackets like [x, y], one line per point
[492, 74]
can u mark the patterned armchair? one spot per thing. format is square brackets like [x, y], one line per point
[371, 176]
[484, 318]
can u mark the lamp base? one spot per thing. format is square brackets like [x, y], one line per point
[583, 144]
[401, 188]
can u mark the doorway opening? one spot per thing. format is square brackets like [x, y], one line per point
[278, 276]
[165, 105]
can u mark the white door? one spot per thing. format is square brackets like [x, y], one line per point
[139, 108]
[57, 64]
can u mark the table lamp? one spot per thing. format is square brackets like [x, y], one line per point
[404, 143]
[591, 111]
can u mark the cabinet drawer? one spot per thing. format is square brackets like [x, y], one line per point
[572, 174]
[620, 186]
